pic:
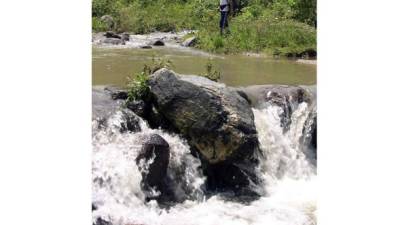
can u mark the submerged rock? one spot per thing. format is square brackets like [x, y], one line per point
[146, 47]
[113, 41]
[153, 161]
[216, 120]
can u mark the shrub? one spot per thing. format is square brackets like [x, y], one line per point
[211, 72]
[98, 25]
[138, 87]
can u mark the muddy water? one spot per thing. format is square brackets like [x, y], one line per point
[113, 65]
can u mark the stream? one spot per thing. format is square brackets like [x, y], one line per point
[289, 176]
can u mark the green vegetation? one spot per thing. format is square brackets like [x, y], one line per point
[138, 87]
[211, 72]
[280, 27]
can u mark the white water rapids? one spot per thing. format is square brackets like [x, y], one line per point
[289, 178]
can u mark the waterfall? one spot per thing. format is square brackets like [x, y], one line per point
[287, 168]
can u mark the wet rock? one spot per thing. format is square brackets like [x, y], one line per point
[103, 106]
[283, 96]
[113, 41]
[129, 121]
[153, 161]
[314, 135]
[158, 42]
[106, 105]
[189, 42]
[100, 221]
[139, 107]
[146, 47]
[216, 120]
[237, 177]
[110, 34]
[117, 93]
[109, 21]
[125, 36]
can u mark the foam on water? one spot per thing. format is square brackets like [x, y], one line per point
[289, 185]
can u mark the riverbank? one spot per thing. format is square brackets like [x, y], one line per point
[279, 28]
[184, 41]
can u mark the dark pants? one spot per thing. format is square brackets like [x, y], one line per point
[224, 20]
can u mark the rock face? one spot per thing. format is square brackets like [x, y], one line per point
[153, 161]
[216, 120]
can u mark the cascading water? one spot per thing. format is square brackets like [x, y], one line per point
[288, 173]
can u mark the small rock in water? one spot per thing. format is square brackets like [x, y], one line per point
[153, 161]
[146, 46]
[129, 122]
[113, 41]
[110, 34]
[125, 36]
[139, 107]
[100, 221]
[189, 42]
[158, 42]
[116, 93]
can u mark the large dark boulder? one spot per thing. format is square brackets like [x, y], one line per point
[152, 162]
[217, 121]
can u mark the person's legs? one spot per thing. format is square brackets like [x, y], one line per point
[224, 20]
[221, 22]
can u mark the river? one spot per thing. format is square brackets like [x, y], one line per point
[114, 65]
[289, 185]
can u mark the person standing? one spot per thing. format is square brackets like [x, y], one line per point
[224, 9]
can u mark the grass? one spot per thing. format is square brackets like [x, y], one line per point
[276, 27]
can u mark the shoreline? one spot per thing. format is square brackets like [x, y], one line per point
[175, 40]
